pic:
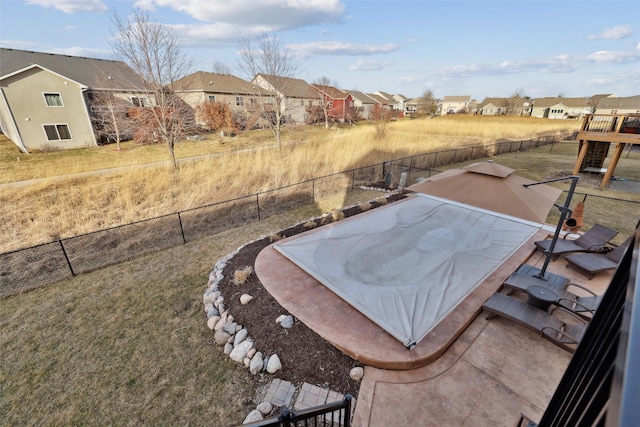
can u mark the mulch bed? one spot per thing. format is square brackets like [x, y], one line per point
[305, 356]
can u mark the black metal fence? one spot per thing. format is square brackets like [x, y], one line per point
[335, 414]
[33, 267]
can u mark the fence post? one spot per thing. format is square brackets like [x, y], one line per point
[181, 228]
[313, 190]
[347, 415]
[258, 206]
[64, 252]
[285, 417]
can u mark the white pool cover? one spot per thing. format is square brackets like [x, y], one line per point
[407, 265]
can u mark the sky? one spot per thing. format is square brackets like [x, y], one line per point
[480, 48]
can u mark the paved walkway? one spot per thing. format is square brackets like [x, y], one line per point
[283, 393]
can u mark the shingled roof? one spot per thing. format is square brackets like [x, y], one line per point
[290, 87]
[98, 74]
[331, 92]
[213, 82]
[627, 102]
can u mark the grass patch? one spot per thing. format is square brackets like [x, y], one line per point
[128, 344]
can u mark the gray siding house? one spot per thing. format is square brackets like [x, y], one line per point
[45, 98]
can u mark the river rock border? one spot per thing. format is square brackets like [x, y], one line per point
[232, 336]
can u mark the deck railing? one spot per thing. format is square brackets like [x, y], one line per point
[335, 414]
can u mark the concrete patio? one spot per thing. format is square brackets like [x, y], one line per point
[469, 371]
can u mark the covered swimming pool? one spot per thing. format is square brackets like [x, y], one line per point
[406, 266]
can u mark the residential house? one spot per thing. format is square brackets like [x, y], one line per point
[560, 108]
[411, 106]
[47, 101]
[455, 104]
[398, 101]
[241, 96]
[622, 105]
[339, 104]
[383, 104]
[363, 104]
[493, 107]
[296, 95]
[202, 86]
[502, 106]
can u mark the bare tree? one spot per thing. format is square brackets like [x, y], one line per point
[513, 104]
[154, 53]
[427, 104]
[324, 103]
[270, 67]
[110, 118]
[220, 67]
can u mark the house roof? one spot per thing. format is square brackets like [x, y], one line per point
[361, 96]
[498, 102]
[380, 100]
[456, 99]
[331, 92]
[567, 102]
[505, 102]
[290, 87]
[202, 81]
[95, 73]
[628, 102]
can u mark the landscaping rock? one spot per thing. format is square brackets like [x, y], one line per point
[274, 364]
[231, 327]
[212, 321]
[256, 364]
[265, 408]
[240, 352]
[287, 322]
[221, 337]
[253, 416]
[227, 348]
[245, 299]
[251, 353]
[356, 373]
[212, 312]
[241, 335]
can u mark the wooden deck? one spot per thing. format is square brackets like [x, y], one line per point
[597, 133]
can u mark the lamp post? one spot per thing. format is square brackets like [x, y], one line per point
[564, 211]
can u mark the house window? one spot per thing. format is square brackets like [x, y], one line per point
[139, 102]
[239, 101]
[57, 132]
[212, 98]
[330, 104]
[53, 99]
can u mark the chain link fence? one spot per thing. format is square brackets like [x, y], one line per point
[29, 268]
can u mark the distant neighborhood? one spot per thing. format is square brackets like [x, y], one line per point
[52, 101]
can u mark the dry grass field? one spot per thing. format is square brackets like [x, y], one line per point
[128, 344]
[60, 194]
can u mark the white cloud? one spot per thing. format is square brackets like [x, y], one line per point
[368, 65]
[340, 48]
[71, 6]
[616, 33]
[563, 63]
[276, 14]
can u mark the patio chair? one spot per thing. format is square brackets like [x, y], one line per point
[592, 263]
[592, 240]
[524, 277]
[549, 325]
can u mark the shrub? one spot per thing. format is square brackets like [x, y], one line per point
[240, 276]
